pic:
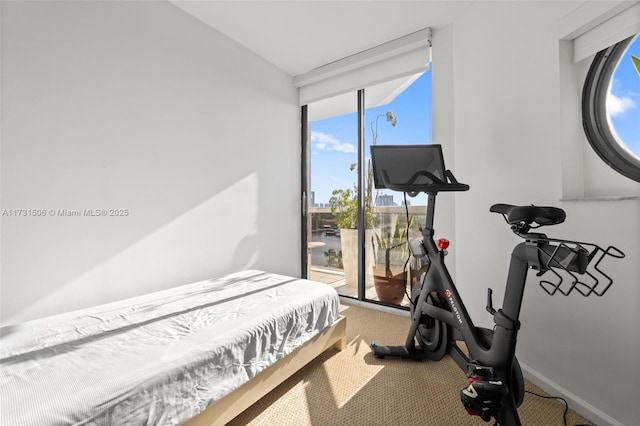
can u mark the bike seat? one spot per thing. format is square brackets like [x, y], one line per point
[530, 214]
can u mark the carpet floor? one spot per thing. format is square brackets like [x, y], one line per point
[352, 387]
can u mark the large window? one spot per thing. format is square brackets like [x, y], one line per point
[404, 121]
[380, 95]
[369, 263]
[611, 106]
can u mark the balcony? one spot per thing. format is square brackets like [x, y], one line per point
[326, 263]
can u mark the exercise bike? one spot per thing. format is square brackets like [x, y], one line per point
[439, 319]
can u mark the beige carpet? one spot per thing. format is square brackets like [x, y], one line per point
[353, 387]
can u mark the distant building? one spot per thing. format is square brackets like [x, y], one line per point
[385, 200]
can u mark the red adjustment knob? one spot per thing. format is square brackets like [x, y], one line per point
[443, 243]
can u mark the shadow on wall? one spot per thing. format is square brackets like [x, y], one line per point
[212, 238]
[170, 126]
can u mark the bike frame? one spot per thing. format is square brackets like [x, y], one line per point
[500, 353]
[439, 318]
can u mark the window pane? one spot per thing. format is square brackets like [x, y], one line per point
[406, 120]
[611, 106]
[623, 100]
[334, 154]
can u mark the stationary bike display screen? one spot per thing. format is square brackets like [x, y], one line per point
[402, 162]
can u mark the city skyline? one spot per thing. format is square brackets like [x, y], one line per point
[382, 200]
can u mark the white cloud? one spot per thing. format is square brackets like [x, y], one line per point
[617, 105]
[328, 142]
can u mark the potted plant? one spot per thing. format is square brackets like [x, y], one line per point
[344, 206]
[391, 253]
[334, 260]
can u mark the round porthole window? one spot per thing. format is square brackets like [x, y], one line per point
[611, 106]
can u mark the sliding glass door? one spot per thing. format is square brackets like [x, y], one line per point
[356, 235]
[333, 193]
[406, 120]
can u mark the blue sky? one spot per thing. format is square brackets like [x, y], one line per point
[623, 100]
[334, 140]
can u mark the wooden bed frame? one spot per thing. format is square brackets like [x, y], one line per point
[246, 395]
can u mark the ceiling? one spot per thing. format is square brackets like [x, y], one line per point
[300, 35]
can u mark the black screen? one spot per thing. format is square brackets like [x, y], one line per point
[402, 162]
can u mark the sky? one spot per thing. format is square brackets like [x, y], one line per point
[623, 100]
[334, 140]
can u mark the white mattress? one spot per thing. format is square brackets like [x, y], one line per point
[158, 359]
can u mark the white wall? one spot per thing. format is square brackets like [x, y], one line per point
[444, 134]
[509, 136]
[138, 106]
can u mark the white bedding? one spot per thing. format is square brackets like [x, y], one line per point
[159, 359]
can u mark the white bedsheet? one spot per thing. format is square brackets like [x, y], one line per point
[158, 359]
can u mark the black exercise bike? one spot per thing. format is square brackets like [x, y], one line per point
[439, 318]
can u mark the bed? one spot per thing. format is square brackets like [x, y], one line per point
[198, 354]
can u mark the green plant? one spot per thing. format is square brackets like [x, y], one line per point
[391, 119]
[334, 260]
[396, 241]
[344, 206]
[636, 63]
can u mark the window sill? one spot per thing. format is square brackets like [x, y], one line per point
[596, 199]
